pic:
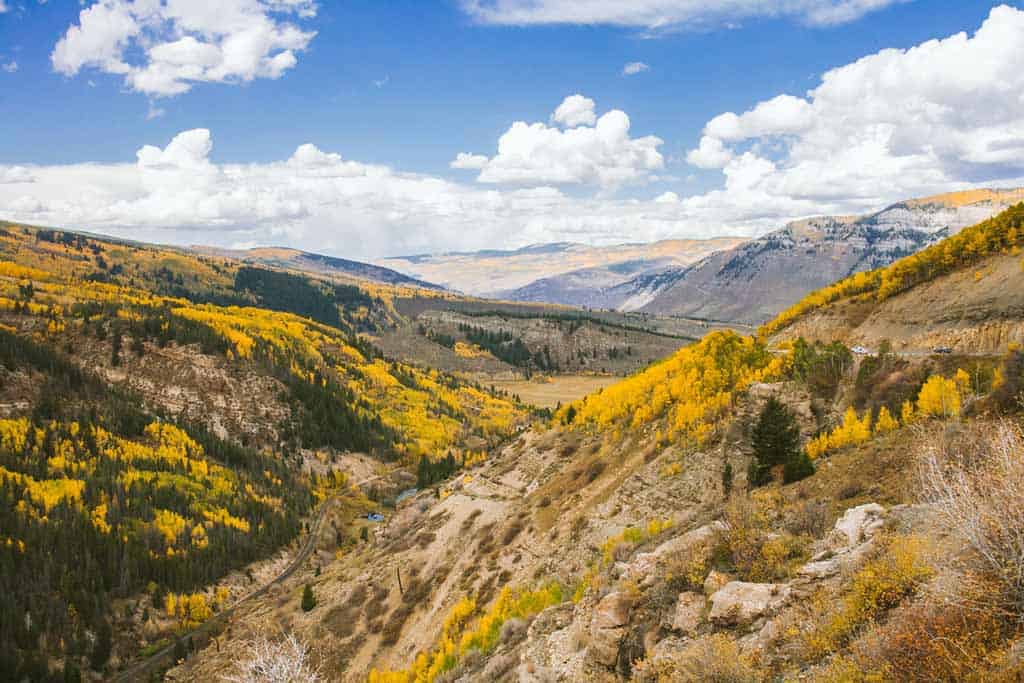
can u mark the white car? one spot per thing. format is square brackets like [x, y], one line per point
[861, 351]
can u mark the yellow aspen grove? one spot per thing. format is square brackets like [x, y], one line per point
[939, 397]
[885, 422]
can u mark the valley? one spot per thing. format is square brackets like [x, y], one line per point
[417, 485]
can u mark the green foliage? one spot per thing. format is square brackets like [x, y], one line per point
[430, 472]
[101, 649]
[798, 467]
[290, 293]
[821, 366]
[502, 345]
[308, 599]
[83, 487]
[776, 441]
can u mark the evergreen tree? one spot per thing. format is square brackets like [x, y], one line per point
[799, 466]
[727, 479]
[180, 651]
[776, 441]
[101, 650]
[71, 672]
[308, 599]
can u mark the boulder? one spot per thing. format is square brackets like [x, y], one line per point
[689, 613]
[857, 525]
[740, 603]
[644, 567]
[715, 581]
[608, 626]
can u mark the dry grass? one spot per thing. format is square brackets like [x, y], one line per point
[974, 478]
[563, 389]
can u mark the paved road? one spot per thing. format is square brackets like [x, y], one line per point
[163, 658]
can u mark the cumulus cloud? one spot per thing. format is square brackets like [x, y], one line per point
[580, 148]
[944, 115]
[634, 68]
[3, 7]
[164, 48]
[317, 200]
[893, 124]
[10, 67]
[664, 14]
[710, 154]
[575, 110]
[14, 174]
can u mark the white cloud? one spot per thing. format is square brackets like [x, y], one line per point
[319, 201]
[14, 174]
[10, 67]
[711, 154]
[164, 48]
[633, 68]
[3, 7]
[663, 14]
[588, 151]
[894, 124]
[575, 110]
[947, 114]
[464, 160]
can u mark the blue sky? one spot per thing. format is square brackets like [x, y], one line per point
[401, 87]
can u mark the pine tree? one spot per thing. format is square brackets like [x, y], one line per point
[776, 441]
[101, 650]
[71, 672]
[308, 599]
[799, 466]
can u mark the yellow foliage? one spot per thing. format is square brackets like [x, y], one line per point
[169, 523]
[885, 422]
[939, 397]
[17, 272]
[459, 635]
[851, 432]
[692, 389]
[878, 586]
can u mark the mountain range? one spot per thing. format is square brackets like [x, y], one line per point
[722, 279]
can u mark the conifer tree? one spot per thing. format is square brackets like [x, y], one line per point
[101, 650]
[776, 441]
[308, 599]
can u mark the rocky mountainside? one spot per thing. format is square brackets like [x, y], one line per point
[965, 293]
[558, 273]
[754, 281]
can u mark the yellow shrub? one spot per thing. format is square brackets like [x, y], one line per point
[877, 587]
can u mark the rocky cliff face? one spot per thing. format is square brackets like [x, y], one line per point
[756, 280]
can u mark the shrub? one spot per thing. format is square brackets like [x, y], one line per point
[975, 483]
[926, 643]
[880, 585]
[754, 552]
[712, 659]
[285, 661]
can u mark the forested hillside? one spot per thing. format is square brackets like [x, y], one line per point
[107, 494]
